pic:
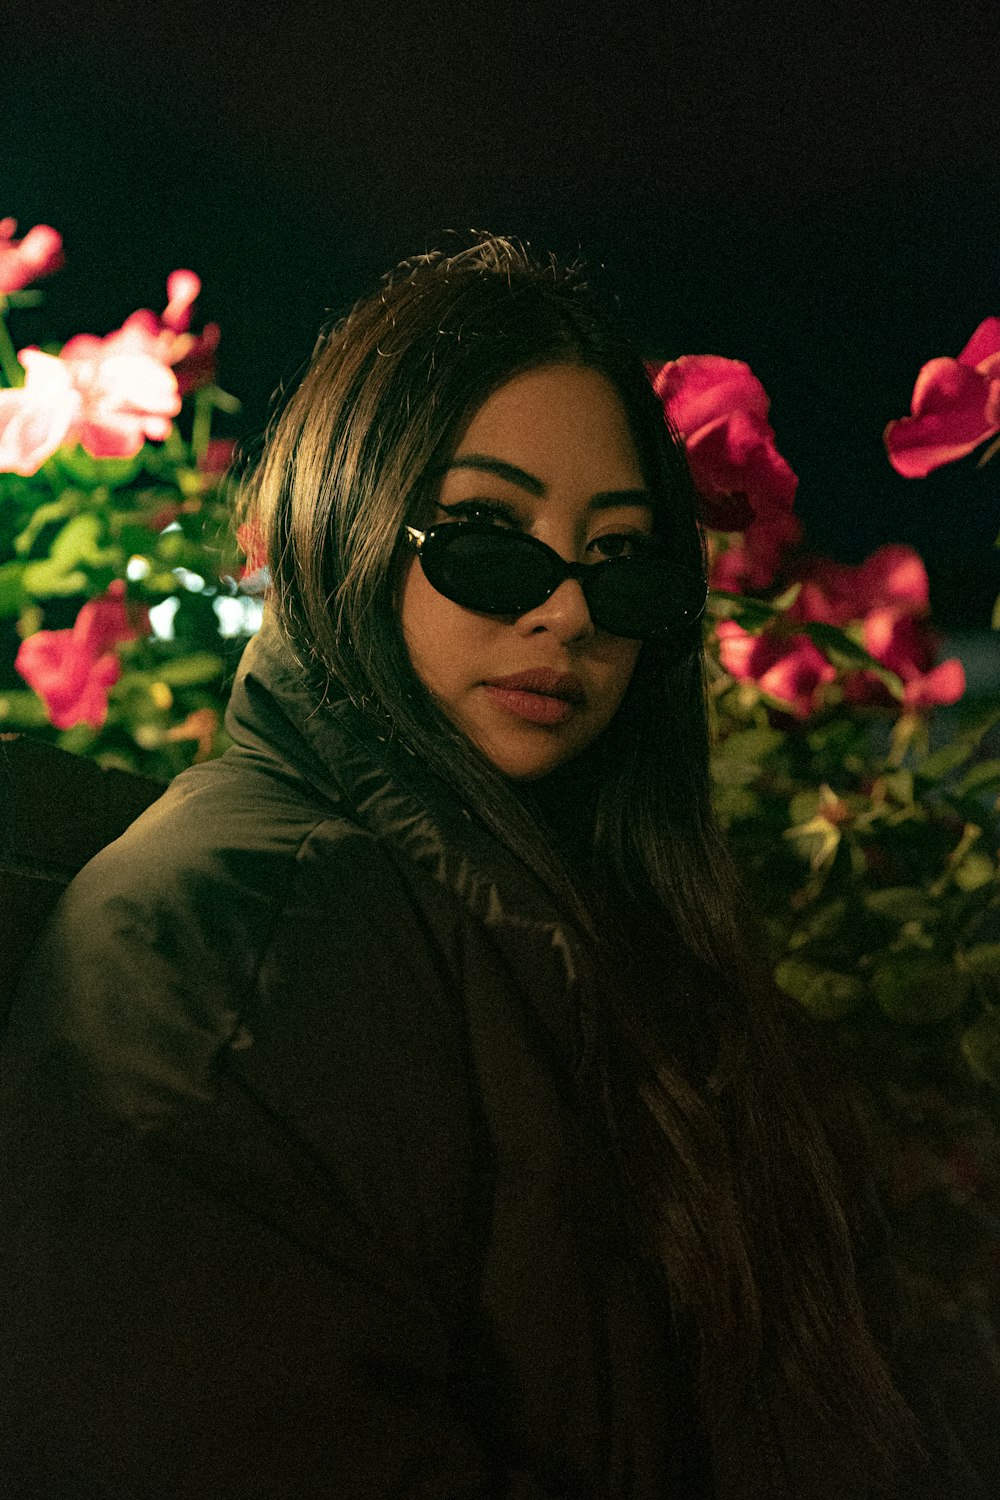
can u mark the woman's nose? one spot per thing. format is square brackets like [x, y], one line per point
[564, 613]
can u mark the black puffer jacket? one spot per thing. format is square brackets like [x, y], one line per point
[304, 1189]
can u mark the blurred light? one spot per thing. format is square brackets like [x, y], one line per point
[193, 582]
[238, 616]
[138, 567]
[161, 618]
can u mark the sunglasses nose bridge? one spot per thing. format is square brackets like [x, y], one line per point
[565, 611]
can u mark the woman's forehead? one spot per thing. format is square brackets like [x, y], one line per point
[548, 423]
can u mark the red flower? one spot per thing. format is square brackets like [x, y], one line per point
[720, 409]
[788, 668]
[251, 544]
[73, 670]
[888, 595]
[907, 647]
[24, 261]
[217, 457]
[955, 407]
[751, 560]
[893, 577]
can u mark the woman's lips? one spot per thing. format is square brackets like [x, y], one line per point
[539, 695]
[535, 708]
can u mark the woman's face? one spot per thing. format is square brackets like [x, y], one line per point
[549, 453]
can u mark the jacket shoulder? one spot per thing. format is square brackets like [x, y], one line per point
[154, 951]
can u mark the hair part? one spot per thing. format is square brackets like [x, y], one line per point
[733, 1177]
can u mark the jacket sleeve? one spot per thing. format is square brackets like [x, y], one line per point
[238, 1240]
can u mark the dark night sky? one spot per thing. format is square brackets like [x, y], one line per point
[813, 189]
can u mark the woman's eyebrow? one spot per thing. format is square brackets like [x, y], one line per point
[604, 500]
[608, 499]
[510, 472]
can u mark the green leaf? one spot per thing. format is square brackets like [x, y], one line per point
[944, 760]
[735, 803]
[192, 670]
[42, 516]
[752, 614]
[824, 993]
[918, 990]
[785, 601]
[975, 871]
[848, 654]
[80, 467]
[11, 587]
[803, 806]
[984, 960]
[899, 785]
[824, 921]
[79, 739]
[995, 618]
[739, 759]
[76, 549]
[982, 777]
[902, 903]
[975, 717]
[981, 1048]
[22, 709]
[750, 744]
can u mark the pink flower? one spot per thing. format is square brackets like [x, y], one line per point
[788, 668]
[73, 670]
[720, 409]
[168, 338]
[905, 644]
[836, 593]
[752, 559]
[97, 392]
[955, 407]
[888, 595]
[217, 457]
[894, 576]
[36, 418]
[251, 544]
[24, 261]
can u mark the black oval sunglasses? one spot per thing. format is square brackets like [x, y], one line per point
[496, 570]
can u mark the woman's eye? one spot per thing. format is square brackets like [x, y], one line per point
[622, 544]
[490, 511]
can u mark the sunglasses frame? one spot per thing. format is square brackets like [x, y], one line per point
[582, 572]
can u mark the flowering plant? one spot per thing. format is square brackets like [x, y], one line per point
[871, 847]
[120, 617]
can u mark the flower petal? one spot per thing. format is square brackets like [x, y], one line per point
[33, 424]
[699, 388]
[944, 683]
[73, 670]
[24, 261]
[720, 408]
[951, 417]
[894, 575]
[984, 343]
[183, 288]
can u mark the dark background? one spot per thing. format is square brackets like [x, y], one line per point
[814, 189]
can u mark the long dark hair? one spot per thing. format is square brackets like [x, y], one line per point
[738, 1177]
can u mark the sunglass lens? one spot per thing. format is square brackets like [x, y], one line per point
[644, 598]
[498, 572]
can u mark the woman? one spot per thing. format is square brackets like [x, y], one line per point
[400, 1108]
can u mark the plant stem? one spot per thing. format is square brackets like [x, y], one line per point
[13, 374]
[201, 428]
